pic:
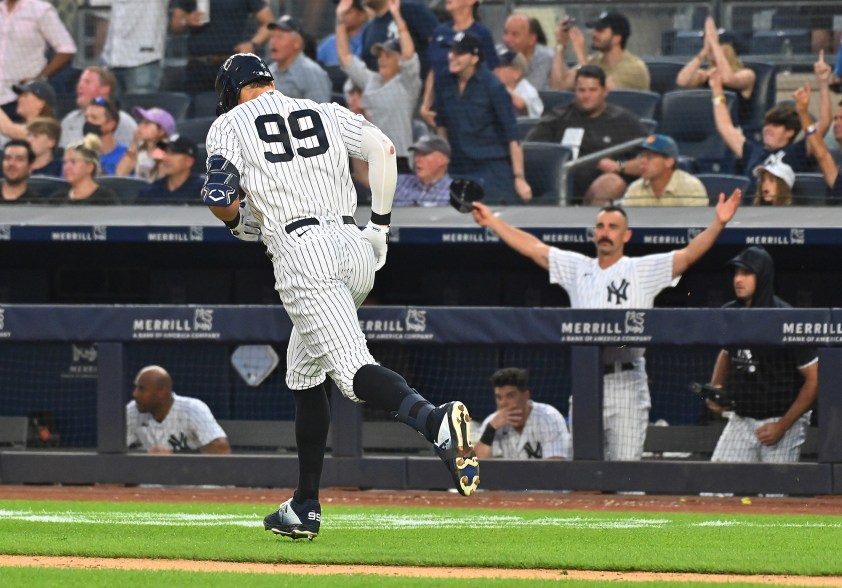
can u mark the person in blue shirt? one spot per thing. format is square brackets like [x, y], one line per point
[355, 19]
[474, 113]
[179, 184]
[101, 119]
[465, 19]
[780, 128]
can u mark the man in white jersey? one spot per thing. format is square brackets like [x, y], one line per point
[521, 428]
[613, 280]
[160, 421]
[278, 169]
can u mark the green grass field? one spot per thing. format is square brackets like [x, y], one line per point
[706, 543]
[29, 577]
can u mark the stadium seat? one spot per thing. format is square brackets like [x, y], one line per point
[46, 185]
[650, 123]
[687, 117]
[774, 42]
[524, 125]
[176, 103]
[542, 167]
[553, 98]
[762, 98]
[809, 189]
[688, 42]
[643, 104]
[204, 104]
[127, 188]
[195, 129]
[662, 75]
[716, 184]
[667, 41]
[790, 18]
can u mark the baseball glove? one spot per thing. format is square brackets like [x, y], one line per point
[463, 193]
[719, 396]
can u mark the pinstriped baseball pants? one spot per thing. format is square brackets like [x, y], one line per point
[738, 443]
[323, 273]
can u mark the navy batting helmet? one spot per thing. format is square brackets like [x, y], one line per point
[239, 70]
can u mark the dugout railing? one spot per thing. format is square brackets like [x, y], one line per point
[116, 327]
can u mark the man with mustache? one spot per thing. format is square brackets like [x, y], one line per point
[612, 281]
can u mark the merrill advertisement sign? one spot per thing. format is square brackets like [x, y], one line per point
[196, 323]
[408, 324]
[630, 329]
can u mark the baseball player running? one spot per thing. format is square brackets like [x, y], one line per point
[278, 169]
[613, 280]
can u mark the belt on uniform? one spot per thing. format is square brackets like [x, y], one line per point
[306, 222]
[610, 368]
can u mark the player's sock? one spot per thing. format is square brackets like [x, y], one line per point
[387, 390]
[312, 420]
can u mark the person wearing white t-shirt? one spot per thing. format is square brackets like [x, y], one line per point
[521, 428]
[135, 43]
[160, 421]
[512, 72]
[613, 280]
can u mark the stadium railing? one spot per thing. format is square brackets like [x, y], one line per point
[453, 342]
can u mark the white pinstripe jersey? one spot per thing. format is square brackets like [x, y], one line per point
[632, 282]
[544, 435]
[188, 425]
[292, 155]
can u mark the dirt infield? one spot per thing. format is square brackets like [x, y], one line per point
[595, 501]
[491, 500]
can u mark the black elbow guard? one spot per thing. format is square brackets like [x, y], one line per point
[222, 183]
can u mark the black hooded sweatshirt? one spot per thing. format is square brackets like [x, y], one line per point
[764, 381]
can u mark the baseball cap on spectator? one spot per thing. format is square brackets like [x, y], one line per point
[179, 144]
[287, 23]
[392, 45]
[661, 144]
[778, 169]
[39, 88]
[159, 116]
[509, 58]
[429, 143]
[466, 43]
[108, 105]
[618, 23]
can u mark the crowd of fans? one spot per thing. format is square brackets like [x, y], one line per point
[416, 76]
